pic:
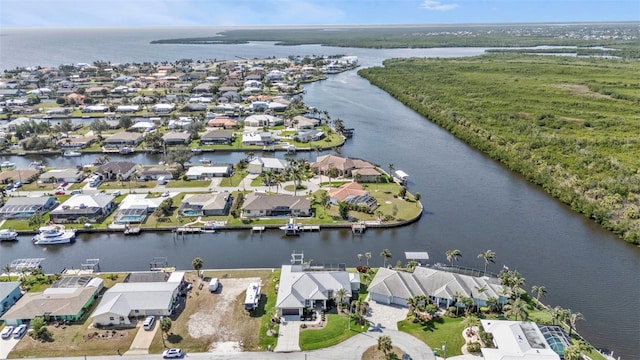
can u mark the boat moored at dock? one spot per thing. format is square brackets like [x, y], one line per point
[8, 235]
[54, 235]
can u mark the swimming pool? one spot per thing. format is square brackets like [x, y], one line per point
[126, 219]
[192, 212]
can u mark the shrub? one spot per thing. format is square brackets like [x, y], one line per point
[473, 347]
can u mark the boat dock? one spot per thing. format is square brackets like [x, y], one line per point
[310, 228]
[258, 229]
[359, 228]
[132, 231]
[188, 230]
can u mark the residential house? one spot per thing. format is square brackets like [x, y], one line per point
[208, 172]
[57, 303]
[116, 170]
[176, 138]
[125, 138]
[77, 142]
[154, 173]
[70, 175]
[25, 176]
[262, 120]
[262, 164]
[223, 122]
[163, 108]
[127, 108]
[217, 137]
[257, 138]
[441, 287]
[26, 207]
[366, 175]
[303, 122]
[206, 204]
[524, 340]
[195, 106]
[309, 135]
[124, 301]
[302, 286]
[9, 295]
[93, 207]
[260, 205]
[352, 193]
[345, 166]
[95, 109]
[135, 208]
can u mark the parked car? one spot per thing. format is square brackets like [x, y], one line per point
[18, 184]
[149, 322]
[406, 357]
[6, 332]
[59, 192]
[19, 331]
[214, 284]
[165, 194]
[64, 184]
[172, 353]
[76, 192]
[117, 193]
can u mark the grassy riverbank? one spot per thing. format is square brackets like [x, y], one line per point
[567, 124]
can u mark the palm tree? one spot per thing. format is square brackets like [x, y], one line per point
[411, 265]
[487, 256]
[340, 295]
[359, 259]
[391, 168]
[417, 196]
[470, 321]
[197, 265]
[539, 291]
[296, 173]
[367, 255]
[453, 255]
[492, 303]
[386, 254]
[385, 344]
[576, 349]
[165, 326]
[573, 317]
[516, 308]
[7, 270]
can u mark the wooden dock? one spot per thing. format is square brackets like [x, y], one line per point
[310, 228]
[258, 229]
[188, 230]
[359, 228]
[132, 231]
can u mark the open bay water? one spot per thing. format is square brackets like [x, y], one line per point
[472, 203]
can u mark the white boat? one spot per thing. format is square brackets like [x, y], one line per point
[8, 235]
[7, 165]
[70, 153]
[54, 235]
[125, 150]
[291, 228]
[205, 161]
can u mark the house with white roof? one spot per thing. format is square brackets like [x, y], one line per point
[135, 208]
[303, 286]
[263, 164]
[520, 340]
[208, 172]
[136, 299]
[92, 207]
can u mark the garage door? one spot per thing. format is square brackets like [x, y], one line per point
[290, 312]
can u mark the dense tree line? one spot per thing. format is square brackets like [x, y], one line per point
[569, 125]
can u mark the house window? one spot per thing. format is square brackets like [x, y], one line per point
[111, 318]
[136, 311]
[307, 303]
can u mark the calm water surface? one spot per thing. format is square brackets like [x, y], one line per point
[471, 202]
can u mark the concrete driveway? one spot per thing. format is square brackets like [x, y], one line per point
[289, 335]
[143, 339]
[386, 315]
[6, 345]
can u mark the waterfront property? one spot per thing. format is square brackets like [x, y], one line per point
[302, 286]
[352, 193]
[123, 139]
[344, 166]
[116, 170]
[208, 172]
[524, 340]
[176, 138]
[24, 176]
[69, 175]
[135, 208]
[25, 207]
[154, 173]
[441, 287]
[93, 208]
[206, 204]
[262, 164]
[68, 299]
[134, 299]
[260, 204]
[9, 295]
[217, 137]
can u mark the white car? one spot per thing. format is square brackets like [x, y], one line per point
[172, 354]
[166, 194]
[6, 332]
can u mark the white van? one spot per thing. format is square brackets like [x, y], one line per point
[19, 331]
[214, 284]
[162, 180]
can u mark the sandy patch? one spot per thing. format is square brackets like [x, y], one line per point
[214, 320]
[582, 90]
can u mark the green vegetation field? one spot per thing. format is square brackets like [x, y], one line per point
[570, 125]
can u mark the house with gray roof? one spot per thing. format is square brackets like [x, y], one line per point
[115, 170]
[176, 138]
[441, 287]
[133, 299]
[263, 164]
[154, 173]
[217, 137]
[26, 207]
[261, 204]
[93, 207]
[124, 138]
[70, 175]
[206, 204]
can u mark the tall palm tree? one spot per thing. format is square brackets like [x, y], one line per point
[516, 308]
[7, 270]
[367, 255]
[340, 295]
[539, 291]
[453, 255]
[386, 254]
[576, 349]
[296, 173]
[197, 264]
[385, 344]
[391, 168]
[573, 318]
[488, 256]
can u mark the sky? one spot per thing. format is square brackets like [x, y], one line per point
[139, 13]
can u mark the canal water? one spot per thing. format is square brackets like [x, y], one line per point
[471, 202]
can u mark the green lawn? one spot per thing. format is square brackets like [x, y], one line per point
[265, 341]
[335, 332]
[437, 332]
[233, 180]
[188, 183]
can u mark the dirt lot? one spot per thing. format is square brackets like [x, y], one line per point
[216, 321]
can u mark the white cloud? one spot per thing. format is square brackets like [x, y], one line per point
[433, 5]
